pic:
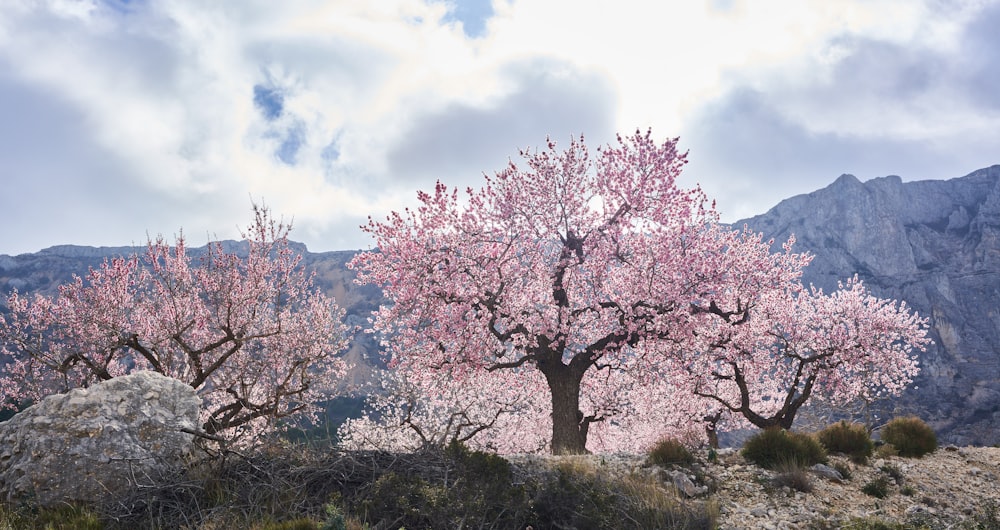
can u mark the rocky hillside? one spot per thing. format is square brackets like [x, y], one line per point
[937, 491]
[936, 245]
[952, 487]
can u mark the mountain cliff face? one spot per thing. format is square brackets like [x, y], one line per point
[934, 244]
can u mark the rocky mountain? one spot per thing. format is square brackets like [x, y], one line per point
[934, 244]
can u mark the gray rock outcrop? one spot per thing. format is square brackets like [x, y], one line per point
[934, 244]
[827, 472]
[94, 441]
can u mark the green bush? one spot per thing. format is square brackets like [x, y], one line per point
[988, 519]
[885, 451]
[844, 469]
[850, 439]
[878, 487]
[58, 517]
[910, 436]
[773, 447]
[578, 494]
[670, 451]
[892, 471]
[478, 492]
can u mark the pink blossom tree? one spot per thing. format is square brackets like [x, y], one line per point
[800, 342]
[250, 332]
[572, 267]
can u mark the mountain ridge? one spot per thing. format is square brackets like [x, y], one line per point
[934, 244]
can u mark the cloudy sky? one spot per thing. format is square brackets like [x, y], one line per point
[122, 118]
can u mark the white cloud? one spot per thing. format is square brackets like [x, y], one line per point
[150, 107]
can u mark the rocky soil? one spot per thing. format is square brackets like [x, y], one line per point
[939, 490]
[946, 489]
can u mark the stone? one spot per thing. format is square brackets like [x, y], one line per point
[684, 484]
[92, 442]
[827, 472]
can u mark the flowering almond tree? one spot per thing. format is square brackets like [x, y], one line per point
[570, 267]
[251, 333]
[799, 343]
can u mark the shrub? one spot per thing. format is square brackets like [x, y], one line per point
[847, 438]
[843, 469]
[878, 487]
[910, 436]
[893, 472]
[58, 517]
[987, 519]
[335, 519]
[477, 492]
[773, 447]
[577, 494]
[794, 476]
[886, 450]
[670, 451]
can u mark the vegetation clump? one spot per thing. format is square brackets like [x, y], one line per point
[910, 436]
[894, 472]
[670, 451]
[773, 447]
[844, 469]
[57, 517]
[851, 439]
[877, 487]
[794, 476]
[577, 494]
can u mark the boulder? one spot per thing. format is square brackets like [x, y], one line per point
[827, 472]
[684, 484]
[91, 442]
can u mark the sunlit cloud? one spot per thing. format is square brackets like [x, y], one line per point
[135, 117]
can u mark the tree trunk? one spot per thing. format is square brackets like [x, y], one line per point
[569, 429]
[782, 419]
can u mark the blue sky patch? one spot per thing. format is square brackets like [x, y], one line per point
[473, 15]
[270, 101]
[123, 6]
[289, 149]
[332, 151]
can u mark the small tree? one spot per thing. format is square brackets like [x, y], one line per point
[799, 343]
[570, 267]
[249, 331]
